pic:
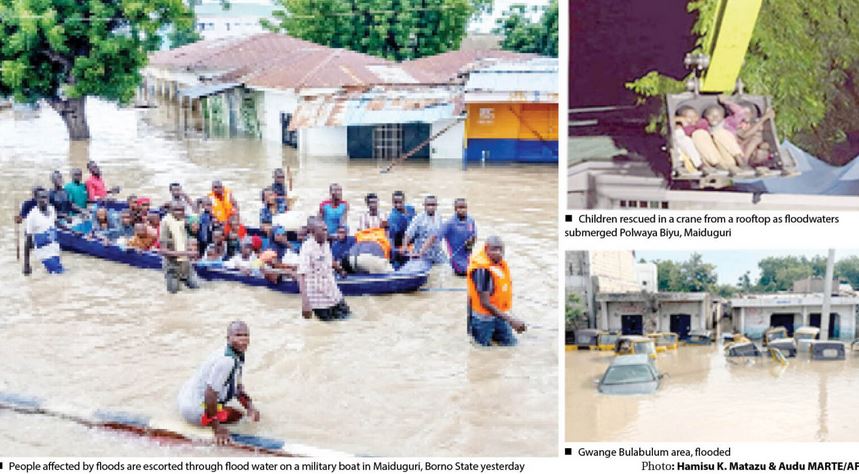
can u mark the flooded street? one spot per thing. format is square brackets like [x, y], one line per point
[705, 398]
[400, 378]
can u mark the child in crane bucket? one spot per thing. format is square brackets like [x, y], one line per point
[750, 135]
[688, 122]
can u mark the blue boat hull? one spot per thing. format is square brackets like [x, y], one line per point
[409, 278]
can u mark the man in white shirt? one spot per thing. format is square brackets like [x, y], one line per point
[40, 224]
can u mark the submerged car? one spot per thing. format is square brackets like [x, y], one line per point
[664, 340]
[827, 350]
[804, 336]
[586, 339]
[773, 333]
[700, 337]
[786, 345]
[630, 374]
[742, 349]
[627, 345]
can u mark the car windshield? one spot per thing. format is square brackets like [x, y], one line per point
[585, 339]
[644, 347]
[623, 374]
[804, 336]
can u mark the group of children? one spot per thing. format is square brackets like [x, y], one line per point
[732, 143]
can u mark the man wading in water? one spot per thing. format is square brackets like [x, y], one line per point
[175, 250]
[490, 296]
[203, 397]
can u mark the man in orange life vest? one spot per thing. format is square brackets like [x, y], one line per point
[223, 203]
[490, 296]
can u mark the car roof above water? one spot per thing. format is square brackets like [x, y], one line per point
[633, 359]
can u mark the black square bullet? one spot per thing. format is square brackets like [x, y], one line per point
[568, 451]
[568, 218]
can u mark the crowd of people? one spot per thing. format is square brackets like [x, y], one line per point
[718, 141]
[209, 231]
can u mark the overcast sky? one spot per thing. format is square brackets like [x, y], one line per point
[731, 264]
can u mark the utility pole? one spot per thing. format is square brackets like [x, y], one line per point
[827, 296]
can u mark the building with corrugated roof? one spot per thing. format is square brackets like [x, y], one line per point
[335, 102]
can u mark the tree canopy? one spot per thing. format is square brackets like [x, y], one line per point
[393, 29]
[65, 50]
[805, 55]
[693, 275]
[524, 35]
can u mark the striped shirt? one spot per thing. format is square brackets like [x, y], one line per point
[319, 283]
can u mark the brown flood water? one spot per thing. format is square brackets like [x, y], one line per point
[400, 378]
[706, 398]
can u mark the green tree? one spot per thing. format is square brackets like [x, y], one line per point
[805, 55]
[692, 275]
[848, 269]
[779, 273]
[575, 313]
[63, 51]
[744, 283]
[393, 29]
[526, 36]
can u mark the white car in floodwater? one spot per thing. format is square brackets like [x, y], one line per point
[630, 374]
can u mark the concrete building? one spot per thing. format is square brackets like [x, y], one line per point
[753, 314]
[241, 19]
[592, 272]
[647, 276]
[642, 313]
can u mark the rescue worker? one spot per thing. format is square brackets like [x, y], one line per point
[490, 296]
[223, 202]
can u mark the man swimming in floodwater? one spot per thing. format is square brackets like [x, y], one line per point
[203, 399]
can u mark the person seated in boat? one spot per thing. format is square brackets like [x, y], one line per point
[234, 225]
[180, 196]
[95, 187]
[219, 243]
[371, 217]
[211, 258]
[102, 227]
[203, 398]
[423, 226]
[40, 226]
[177, 255]
[143, 240]
[60, 199]
[224, 204]
[153, 226]
[341, 243]
[370, 254]
[141, 210]
[76, 190]
[207, 222]
[334, 211]
[125, 230]
[271, 206]
[320, 294]
[245, 261]
[301, 236]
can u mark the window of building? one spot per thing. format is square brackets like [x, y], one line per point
[388, 141]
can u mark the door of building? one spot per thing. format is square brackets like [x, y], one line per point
[632, 324]
[681, 324]
[834, 327]
[783, 319]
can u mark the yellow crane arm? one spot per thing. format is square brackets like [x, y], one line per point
[732, 30]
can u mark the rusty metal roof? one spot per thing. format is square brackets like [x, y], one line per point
[448, 66]
[378, 105]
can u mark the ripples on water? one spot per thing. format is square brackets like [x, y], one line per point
[400, 378]
[706, 397]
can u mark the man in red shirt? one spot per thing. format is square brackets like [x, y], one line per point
[95, 187]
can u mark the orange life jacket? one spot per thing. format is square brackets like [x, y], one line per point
[222, 209]
[377, 235]
[502, 294]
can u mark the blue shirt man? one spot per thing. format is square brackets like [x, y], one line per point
[399, 219]
[459, 232]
